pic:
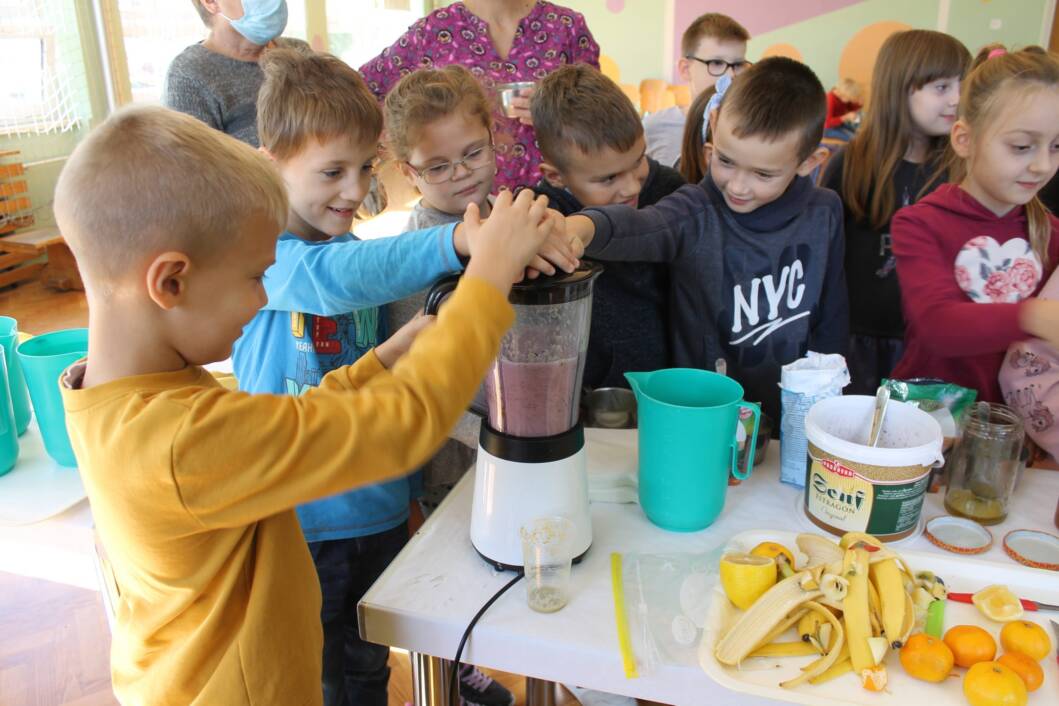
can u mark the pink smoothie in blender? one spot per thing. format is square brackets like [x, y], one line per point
[539, 399]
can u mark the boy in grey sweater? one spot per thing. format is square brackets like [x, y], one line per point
[756, 250]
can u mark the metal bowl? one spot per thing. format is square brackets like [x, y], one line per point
[508, 91]
[611, 408]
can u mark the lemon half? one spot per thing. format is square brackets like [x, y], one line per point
[998, 603]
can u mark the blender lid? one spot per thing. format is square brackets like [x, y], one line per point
[558, 288]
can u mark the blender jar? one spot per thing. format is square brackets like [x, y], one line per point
[533, 389]
[985, 464]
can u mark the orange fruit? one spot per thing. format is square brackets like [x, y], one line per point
[993, 684]
[1028, 638]
[1026, 667]
[970, 644]
[927, 658]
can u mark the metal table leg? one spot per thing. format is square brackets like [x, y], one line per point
[430, 679]
[540, 692]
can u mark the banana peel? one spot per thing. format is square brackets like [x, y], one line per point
[824, 663]
[796, 648]
[774, 606]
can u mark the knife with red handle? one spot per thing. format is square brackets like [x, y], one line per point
[1026, 603]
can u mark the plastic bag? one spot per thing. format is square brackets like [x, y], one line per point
[805, 382]
[944, 401]
[667, 599]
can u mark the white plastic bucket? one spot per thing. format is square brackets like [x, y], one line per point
[853, 487]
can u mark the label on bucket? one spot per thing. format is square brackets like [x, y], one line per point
[841, 498]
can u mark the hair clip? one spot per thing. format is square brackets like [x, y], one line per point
[999, 51]
[715, 102]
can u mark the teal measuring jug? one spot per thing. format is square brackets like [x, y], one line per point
[687, 444]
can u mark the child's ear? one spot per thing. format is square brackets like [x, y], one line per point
[684, 69]
[552, 175]
[707, 154]
[264, 150]
[167, 279]
[960, 137]
[818, 157]
[408, 173]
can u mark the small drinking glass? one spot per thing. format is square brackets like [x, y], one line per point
[546, 556]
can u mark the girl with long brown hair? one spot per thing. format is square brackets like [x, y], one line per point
[971, 256]
[894, 159]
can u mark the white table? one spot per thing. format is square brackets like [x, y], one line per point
[427, 596]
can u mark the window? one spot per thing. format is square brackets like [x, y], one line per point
[42, 87]
[155, 31]
[357, 30]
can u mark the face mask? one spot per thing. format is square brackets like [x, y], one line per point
[262, 20]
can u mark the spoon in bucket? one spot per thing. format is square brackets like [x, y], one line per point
[882, 399]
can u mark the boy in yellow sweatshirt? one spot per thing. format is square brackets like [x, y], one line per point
[192, 486]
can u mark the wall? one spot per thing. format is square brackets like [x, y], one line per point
[816, 30]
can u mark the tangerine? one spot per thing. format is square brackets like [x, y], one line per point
[927, 658]
[1026, 637]
[970, 645]
[993, 684]
[1026, 667]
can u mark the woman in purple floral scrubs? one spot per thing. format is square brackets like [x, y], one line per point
[499, 41]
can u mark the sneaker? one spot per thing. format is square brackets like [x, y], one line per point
[478, 689]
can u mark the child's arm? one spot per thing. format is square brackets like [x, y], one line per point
[951, 324]
[242, 457]
[328, 280]
[658, 233]
[830, 328]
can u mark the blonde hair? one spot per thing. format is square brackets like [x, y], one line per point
[851, 89]
[308, 96]
[998, 82]
[149, 179]
[427, 95]
[906, 62]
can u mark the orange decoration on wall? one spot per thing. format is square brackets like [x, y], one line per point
[858, 56]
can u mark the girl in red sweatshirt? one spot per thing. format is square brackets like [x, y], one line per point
[972, 255]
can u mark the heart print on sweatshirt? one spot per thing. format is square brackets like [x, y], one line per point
[991, 273]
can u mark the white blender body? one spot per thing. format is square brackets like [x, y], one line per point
[531, 450]
[509, 494]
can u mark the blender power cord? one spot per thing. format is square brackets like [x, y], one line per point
[454, 698]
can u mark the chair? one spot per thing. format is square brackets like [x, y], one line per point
[609, 68]
[633, 92]
[652, 94]
[681, 94]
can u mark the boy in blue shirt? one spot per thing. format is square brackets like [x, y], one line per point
[321, 126]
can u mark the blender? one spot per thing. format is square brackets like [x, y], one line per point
[531, 449]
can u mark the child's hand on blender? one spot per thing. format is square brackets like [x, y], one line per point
[508, 241]
[390, 350]
[560, 250]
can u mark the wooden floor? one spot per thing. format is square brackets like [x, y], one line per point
[54, 640]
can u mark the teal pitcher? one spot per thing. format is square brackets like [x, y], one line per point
[687, 438]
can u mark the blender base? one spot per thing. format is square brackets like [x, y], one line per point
[501, 566]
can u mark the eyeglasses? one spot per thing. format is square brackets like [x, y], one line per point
[718, 67]
[440, 173]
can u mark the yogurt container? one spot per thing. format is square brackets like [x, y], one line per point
[853, 487]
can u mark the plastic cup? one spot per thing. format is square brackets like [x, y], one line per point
[44, 358]
[546, 557]
[8, 430]
[15, 380]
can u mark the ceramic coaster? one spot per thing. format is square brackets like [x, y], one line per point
[1032, 548]
[958, 535]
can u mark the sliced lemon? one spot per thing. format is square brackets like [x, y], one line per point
[773, 550]
[998, 603]
[745, 577]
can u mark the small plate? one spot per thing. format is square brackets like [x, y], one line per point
[958, 535]
[1032, 548]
